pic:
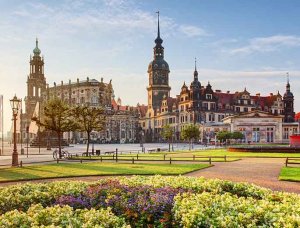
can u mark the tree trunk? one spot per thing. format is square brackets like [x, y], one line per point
[169, 146]
[190, 143]
[88, 144]
[59, 144]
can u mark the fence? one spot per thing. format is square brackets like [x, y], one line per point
[292, 161]
[148, 158]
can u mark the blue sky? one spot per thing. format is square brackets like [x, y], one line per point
[237, 43]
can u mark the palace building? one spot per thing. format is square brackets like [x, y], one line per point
[121, 121]
[260, 118]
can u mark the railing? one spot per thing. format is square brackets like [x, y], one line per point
[292, 161]
[148, 158]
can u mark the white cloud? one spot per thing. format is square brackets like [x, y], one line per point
[108, 15]
[267, 44]
[192, 31]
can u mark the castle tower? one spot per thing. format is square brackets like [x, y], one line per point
[158, 71]
[195, 96]
[288, 100]
[36, 82]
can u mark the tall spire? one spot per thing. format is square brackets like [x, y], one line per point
[195, 72]
[158, 40]
[158, 30]
[288, 81]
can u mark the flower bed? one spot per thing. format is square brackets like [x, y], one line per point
[154, 201]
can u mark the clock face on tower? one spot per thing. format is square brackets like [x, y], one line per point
[159, 78]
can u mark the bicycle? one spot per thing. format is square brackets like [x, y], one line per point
[64, 154]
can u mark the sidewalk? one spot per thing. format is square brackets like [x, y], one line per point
[260, 171]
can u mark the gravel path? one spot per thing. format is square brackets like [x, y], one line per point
[260, 171]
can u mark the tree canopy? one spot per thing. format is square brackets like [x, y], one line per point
[89, 119]
[56, 117]
[190, 132]
[224, 135]
[167, 133]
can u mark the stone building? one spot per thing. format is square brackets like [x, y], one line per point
[212, 110]
[121, 121]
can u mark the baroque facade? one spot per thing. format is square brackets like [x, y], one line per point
[121, 121]
[212, 110]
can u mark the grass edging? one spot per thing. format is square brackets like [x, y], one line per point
[128, 173]
[290, 174]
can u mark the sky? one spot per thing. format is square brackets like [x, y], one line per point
[237, 44]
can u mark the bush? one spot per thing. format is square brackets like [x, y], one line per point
[138, 205]
[66, 216]
[21, 197]
[227, 210]
[151, 201]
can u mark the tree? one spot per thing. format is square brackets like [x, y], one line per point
[237, 135]
[89, 119]
[223, 135]
[56, 117]
[190, 133]
[167, 134]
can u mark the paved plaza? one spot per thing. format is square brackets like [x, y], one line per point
[42, 154]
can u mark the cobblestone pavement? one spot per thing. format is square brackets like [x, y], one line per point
[260, 171]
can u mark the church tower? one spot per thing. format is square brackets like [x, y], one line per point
[288, 100]
[36, 82]
[195, 96]
[158, 71]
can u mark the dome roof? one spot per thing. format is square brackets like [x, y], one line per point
[195, 84]
[160, 64]
[288, 94]
[36, 50]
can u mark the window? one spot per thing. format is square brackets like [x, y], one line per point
[212, 106]
[245, 109]
[237, 109]
[220, 117]
[205, 106]
[270, 134]
[208, 96]
[285, 133]
[211, 117]
[255, 134]
[294, 130]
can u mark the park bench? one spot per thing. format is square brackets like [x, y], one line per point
[109, 152]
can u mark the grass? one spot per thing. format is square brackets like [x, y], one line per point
[92, 169]
[212, 152]
[223, 152]
[290, 174]
[176, 157]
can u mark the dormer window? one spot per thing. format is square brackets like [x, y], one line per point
[208, 96]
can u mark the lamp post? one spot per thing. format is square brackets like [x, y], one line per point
[15, 102]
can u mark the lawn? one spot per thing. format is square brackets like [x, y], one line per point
[156, 157]
[222, 152]
[290, 174]
[205, 153]
[94, 168]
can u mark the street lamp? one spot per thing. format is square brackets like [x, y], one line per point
[15, 103]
